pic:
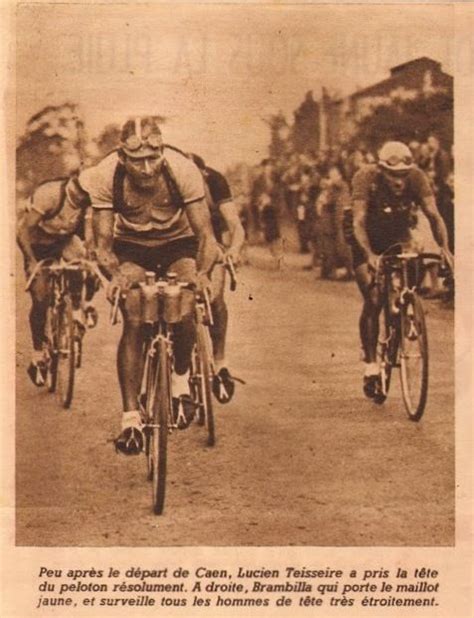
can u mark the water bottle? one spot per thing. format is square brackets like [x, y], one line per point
[149, 307]
[172, 307]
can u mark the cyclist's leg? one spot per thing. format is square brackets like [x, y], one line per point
[83, 285]
[74, 250]
[184, 339]
[185, 331]
[218, 330]
[39, 292]
[130, 363]
[223, 384]
[129, 357]
[369, 319]
[39, 305]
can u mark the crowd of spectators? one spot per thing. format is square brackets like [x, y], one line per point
[312, 191]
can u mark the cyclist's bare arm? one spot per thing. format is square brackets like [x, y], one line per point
[103, 233]
[229, 212]
[200, 221]
[438, 227]
[25, 227]
[88, 231]
[359, 208]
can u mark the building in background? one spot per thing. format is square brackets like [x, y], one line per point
[416, 80]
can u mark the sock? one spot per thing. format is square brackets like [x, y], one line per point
[371, 369]
[219, 364]
[38, 356]
[131, 418]
[180, 384]
[77, 315]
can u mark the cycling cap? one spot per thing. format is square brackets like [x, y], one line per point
[395, 156]
[141, 137]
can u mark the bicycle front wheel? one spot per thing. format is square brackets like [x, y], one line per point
[160, 428]
[66, 357]
[196, 386]
[387, 347]
[206, 381]
[414, 358]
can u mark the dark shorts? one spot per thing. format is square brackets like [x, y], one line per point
[50, 251]
[68, 247]
[157, 259]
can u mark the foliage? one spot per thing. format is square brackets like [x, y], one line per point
[54, 145]
[305, 131]
[411, 119]
[108, 140]
[279, 132]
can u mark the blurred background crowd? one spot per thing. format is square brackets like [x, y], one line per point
[293, 200]
[310, 191]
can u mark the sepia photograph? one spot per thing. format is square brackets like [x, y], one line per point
[235, 276]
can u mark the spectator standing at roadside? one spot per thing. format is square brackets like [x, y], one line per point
[306, 197]
[264, 204]
[440, 162]
[331, 204]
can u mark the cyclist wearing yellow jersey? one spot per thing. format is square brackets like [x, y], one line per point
[385, 198]
[224, 218]
[54, 219]
[149, 214]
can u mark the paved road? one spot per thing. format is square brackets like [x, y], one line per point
[302, 457]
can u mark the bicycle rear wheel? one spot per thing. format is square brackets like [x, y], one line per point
[161, 422]
[206, 381]
[414, 358]
[51, 332]
[66, 357]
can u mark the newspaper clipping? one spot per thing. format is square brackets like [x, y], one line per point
[236, 309]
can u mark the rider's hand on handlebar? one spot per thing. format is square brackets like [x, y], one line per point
[373, 261]
[118, 283]
[203, 283]
[220, 255]
[449, 259]
[234, 255]
[30, 266]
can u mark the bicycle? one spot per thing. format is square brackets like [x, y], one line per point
[403, 339]
[63, 338]
[163, 305]
[202, 367]
[202, 360]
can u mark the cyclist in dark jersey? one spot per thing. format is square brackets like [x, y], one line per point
[224, 218]
[385, 199]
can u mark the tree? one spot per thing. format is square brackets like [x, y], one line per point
[54, 145]
[409, 119]
[108, 139]
[305, 132]
[279, 131]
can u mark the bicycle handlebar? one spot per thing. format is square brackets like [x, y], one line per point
[53, 266]
[202, 295]
[410, 256]
[229, 264]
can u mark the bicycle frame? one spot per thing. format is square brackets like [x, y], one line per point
[398, 277]
[160, 331]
